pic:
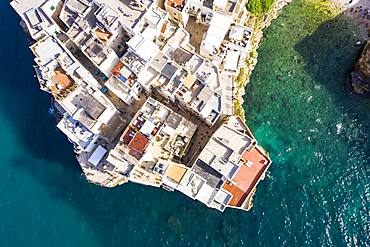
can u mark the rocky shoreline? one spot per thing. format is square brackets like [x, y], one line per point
[358, 11]
[360, 77]
[259, 23]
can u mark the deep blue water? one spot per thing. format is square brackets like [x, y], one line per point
[316, 193]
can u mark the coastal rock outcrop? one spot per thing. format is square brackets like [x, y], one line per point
[360, 77]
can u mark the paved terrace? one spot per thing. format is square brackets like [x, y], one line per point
[128, 13]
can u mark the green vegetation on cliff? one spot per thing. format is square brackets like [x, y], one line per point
[259, 6]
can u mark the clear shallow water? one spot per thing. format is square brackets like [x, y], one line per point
[317, 191]
[317, 132]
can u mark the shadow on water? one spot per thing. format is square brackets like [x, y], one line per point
[301, 111]
[330, 63]
[334, 52]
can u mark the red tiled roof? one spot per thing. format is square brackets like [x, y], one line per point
[117, 68]
[128, 135]
[246, 177]
[135, 154]
[236, 192]
[255, 156]
[177, 2]
[63, 79]
[164, 27]
[103, 35]
[139, 142]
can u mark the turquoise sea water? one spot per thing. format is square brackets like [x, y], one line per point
[316, 193]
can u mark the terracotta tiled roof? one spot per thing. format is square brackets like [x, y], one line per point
[139, 142]
[117, 68]
[177, 2]
[252, 166]
[102, 35]
[128, 135]
[62, 79]
[236, 192]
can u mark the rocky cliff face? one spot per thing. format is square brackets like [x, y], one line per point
[361, 75]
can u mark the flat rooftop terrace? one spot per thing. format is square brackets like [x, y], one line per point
[79, 6]
[23, 6]
[128, 13]
[211, 176]
[92, 106]
[27, 11]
